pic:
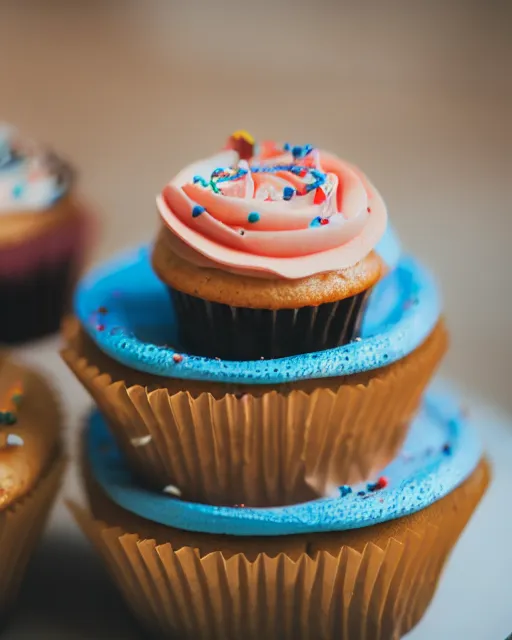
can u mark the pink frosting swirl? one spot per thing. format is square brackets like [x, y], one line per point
[285, 211]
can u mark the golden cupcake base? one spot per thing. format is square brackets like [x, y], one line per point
[373, 583]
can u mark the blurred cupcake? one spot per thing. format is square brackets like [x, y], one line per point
[42, 238]
[31, 465]
[268, 251]
[368, 562]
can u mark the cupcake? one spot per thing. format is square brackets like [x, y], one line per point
[42, 238]
[362, 565]
[264, 432]
[31, 465]
[268, 250]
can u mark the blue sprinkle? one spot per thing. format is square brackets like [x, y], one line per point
[286, 146]
[17, 191]
[361, 493]
[297, 152]
[197, 211]
[253, 217]
[197, 179]
[345, 490]
[296, 169]
[288, 193]
[447, 450]
[316, 222]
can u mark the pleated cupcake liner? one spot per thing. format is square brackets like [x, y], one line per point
[268, 448]
[21, 525]
[237, 333]
[377, 588]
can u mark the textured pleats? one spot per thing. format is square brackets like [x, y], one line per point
[268, 449]
[21, 525]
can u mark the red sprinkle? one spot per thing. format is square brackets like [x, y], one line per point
[319, 196]
[368, 209]
[301, 191]
[324, 221]
[241, 506]
[381, 483]
[103, 310]
[100, 327]
[177, 357]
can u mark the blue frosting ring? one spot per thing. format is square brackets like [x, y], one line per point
[444, 448]
[402, 312]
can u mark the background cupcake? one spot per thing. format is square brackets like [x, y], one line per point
[43, 234]
[31, 465]
[268, 251]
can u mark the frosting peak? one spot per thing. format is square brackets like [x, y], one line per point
[31, 179]
[289, 211]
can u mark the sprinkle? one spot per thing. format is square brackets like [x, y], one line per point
[103, 310]
[381, 483]
[100, 327]
[286, 146]
[319, 196]
[361, 493]
[9, 415]
[368, 209]
[142, 441]
[253, 217]
[345, 490]
[197, 211]
[14, 440]
[288, 193]
[324, 221]
[17, 191]
[297, 152]
[302, 191]
[172, 490]
[200, 180]
[177, 357]
[447, 449]
[240, 506]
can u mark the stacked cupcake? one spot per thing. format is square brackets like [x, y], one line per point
[265, 462]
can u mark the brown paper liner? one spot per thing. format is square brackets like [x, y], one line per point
[21, 525]
[237, 333]
[367, 584]
[258, 446]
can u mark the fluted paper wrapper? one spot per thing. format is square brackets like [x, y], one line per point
[269, 449]
[238, 333]
[376, 588]
[21, 525]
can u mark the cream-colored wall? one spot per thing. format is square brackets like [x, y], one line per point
[417, 93]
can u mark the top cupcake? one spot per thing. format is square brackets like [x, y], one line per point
[272, 210]
[31, 179]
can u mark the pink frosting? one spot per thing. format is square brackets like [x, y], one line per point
[289, 212]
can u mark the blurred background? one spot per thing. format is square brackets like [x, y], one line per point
[418, 93]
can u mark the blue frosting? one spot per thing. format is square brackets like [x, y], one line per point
[136, 324]
[441, 451]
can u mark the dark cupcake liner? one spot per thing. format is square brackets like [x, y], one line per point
[237, 333]
[33, 305]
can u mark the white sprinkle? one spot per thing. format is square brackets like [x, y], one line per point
[13, 440]
[357, 339]
[172, 490]
[141, 442]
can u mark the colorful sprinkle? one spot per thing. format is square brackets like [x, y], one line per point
[345, 490]
[9, 415]
[447, 449]
[177, 357]
[197, 211]
[253, 217]
[381, 483]
[17, 191]
[103, 310]
[368, 209]
[319, 196]
[240, 506]
[100, 327]
[200, 180]
[14, 440]
[172, 490]
[142, 441]
[288, 193]
[361, 493]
